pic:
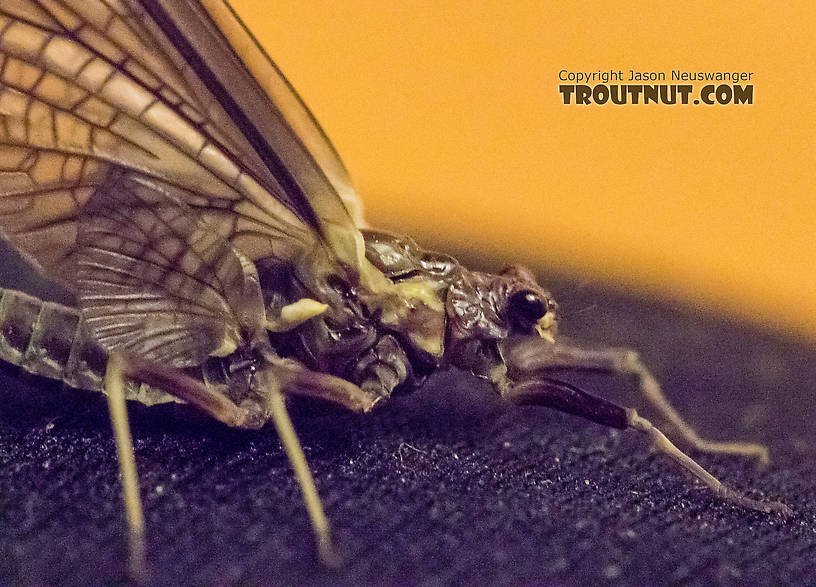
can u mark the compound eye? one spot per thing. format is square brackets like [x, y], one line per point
[525, 308]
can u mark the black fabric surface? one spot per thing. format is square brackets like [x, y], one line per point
[446, 486]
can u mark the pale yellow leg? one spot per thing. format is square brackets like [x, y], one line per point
[314, 507]
[114, 386]
[665, 446]
[631, 363]
[625, 361]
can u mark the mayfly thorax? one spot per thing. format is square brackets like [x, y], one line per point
[156, 163]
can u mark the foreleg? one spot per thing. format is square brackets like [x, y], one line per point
[567, 398]
[544, 356]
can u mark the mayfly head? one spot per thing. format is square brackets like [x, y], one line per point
[529, 307]
[494, 307]
[484, 310]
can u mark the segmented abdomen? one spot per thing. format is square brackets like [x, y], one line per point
[49, 339]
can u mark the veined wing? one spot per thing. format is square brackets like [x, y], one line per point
[155, 281]
[297, 116]
[89, 88]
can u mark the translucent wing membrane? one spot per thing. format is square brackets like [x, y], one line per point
[292, 108]
[291, 130]
[89, 88]
[155, 281]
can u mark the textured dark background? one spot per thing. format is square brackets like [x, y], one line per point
[446, 486]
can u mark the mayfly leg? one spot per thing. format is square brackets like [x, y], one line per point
[115, 387]
[665, 446]
[275, 379]
[120, 367]
[314, 507]
[627, 362]
[281, 376]
[568, 398]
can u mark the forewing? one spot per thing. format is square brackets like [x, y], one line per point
[292, 130]
[154, 280]
[91, 88]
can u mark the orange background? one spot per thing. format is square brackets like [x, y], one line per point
[449, 119]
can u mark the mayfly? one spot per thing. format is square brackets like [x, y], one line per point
[155, 161]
